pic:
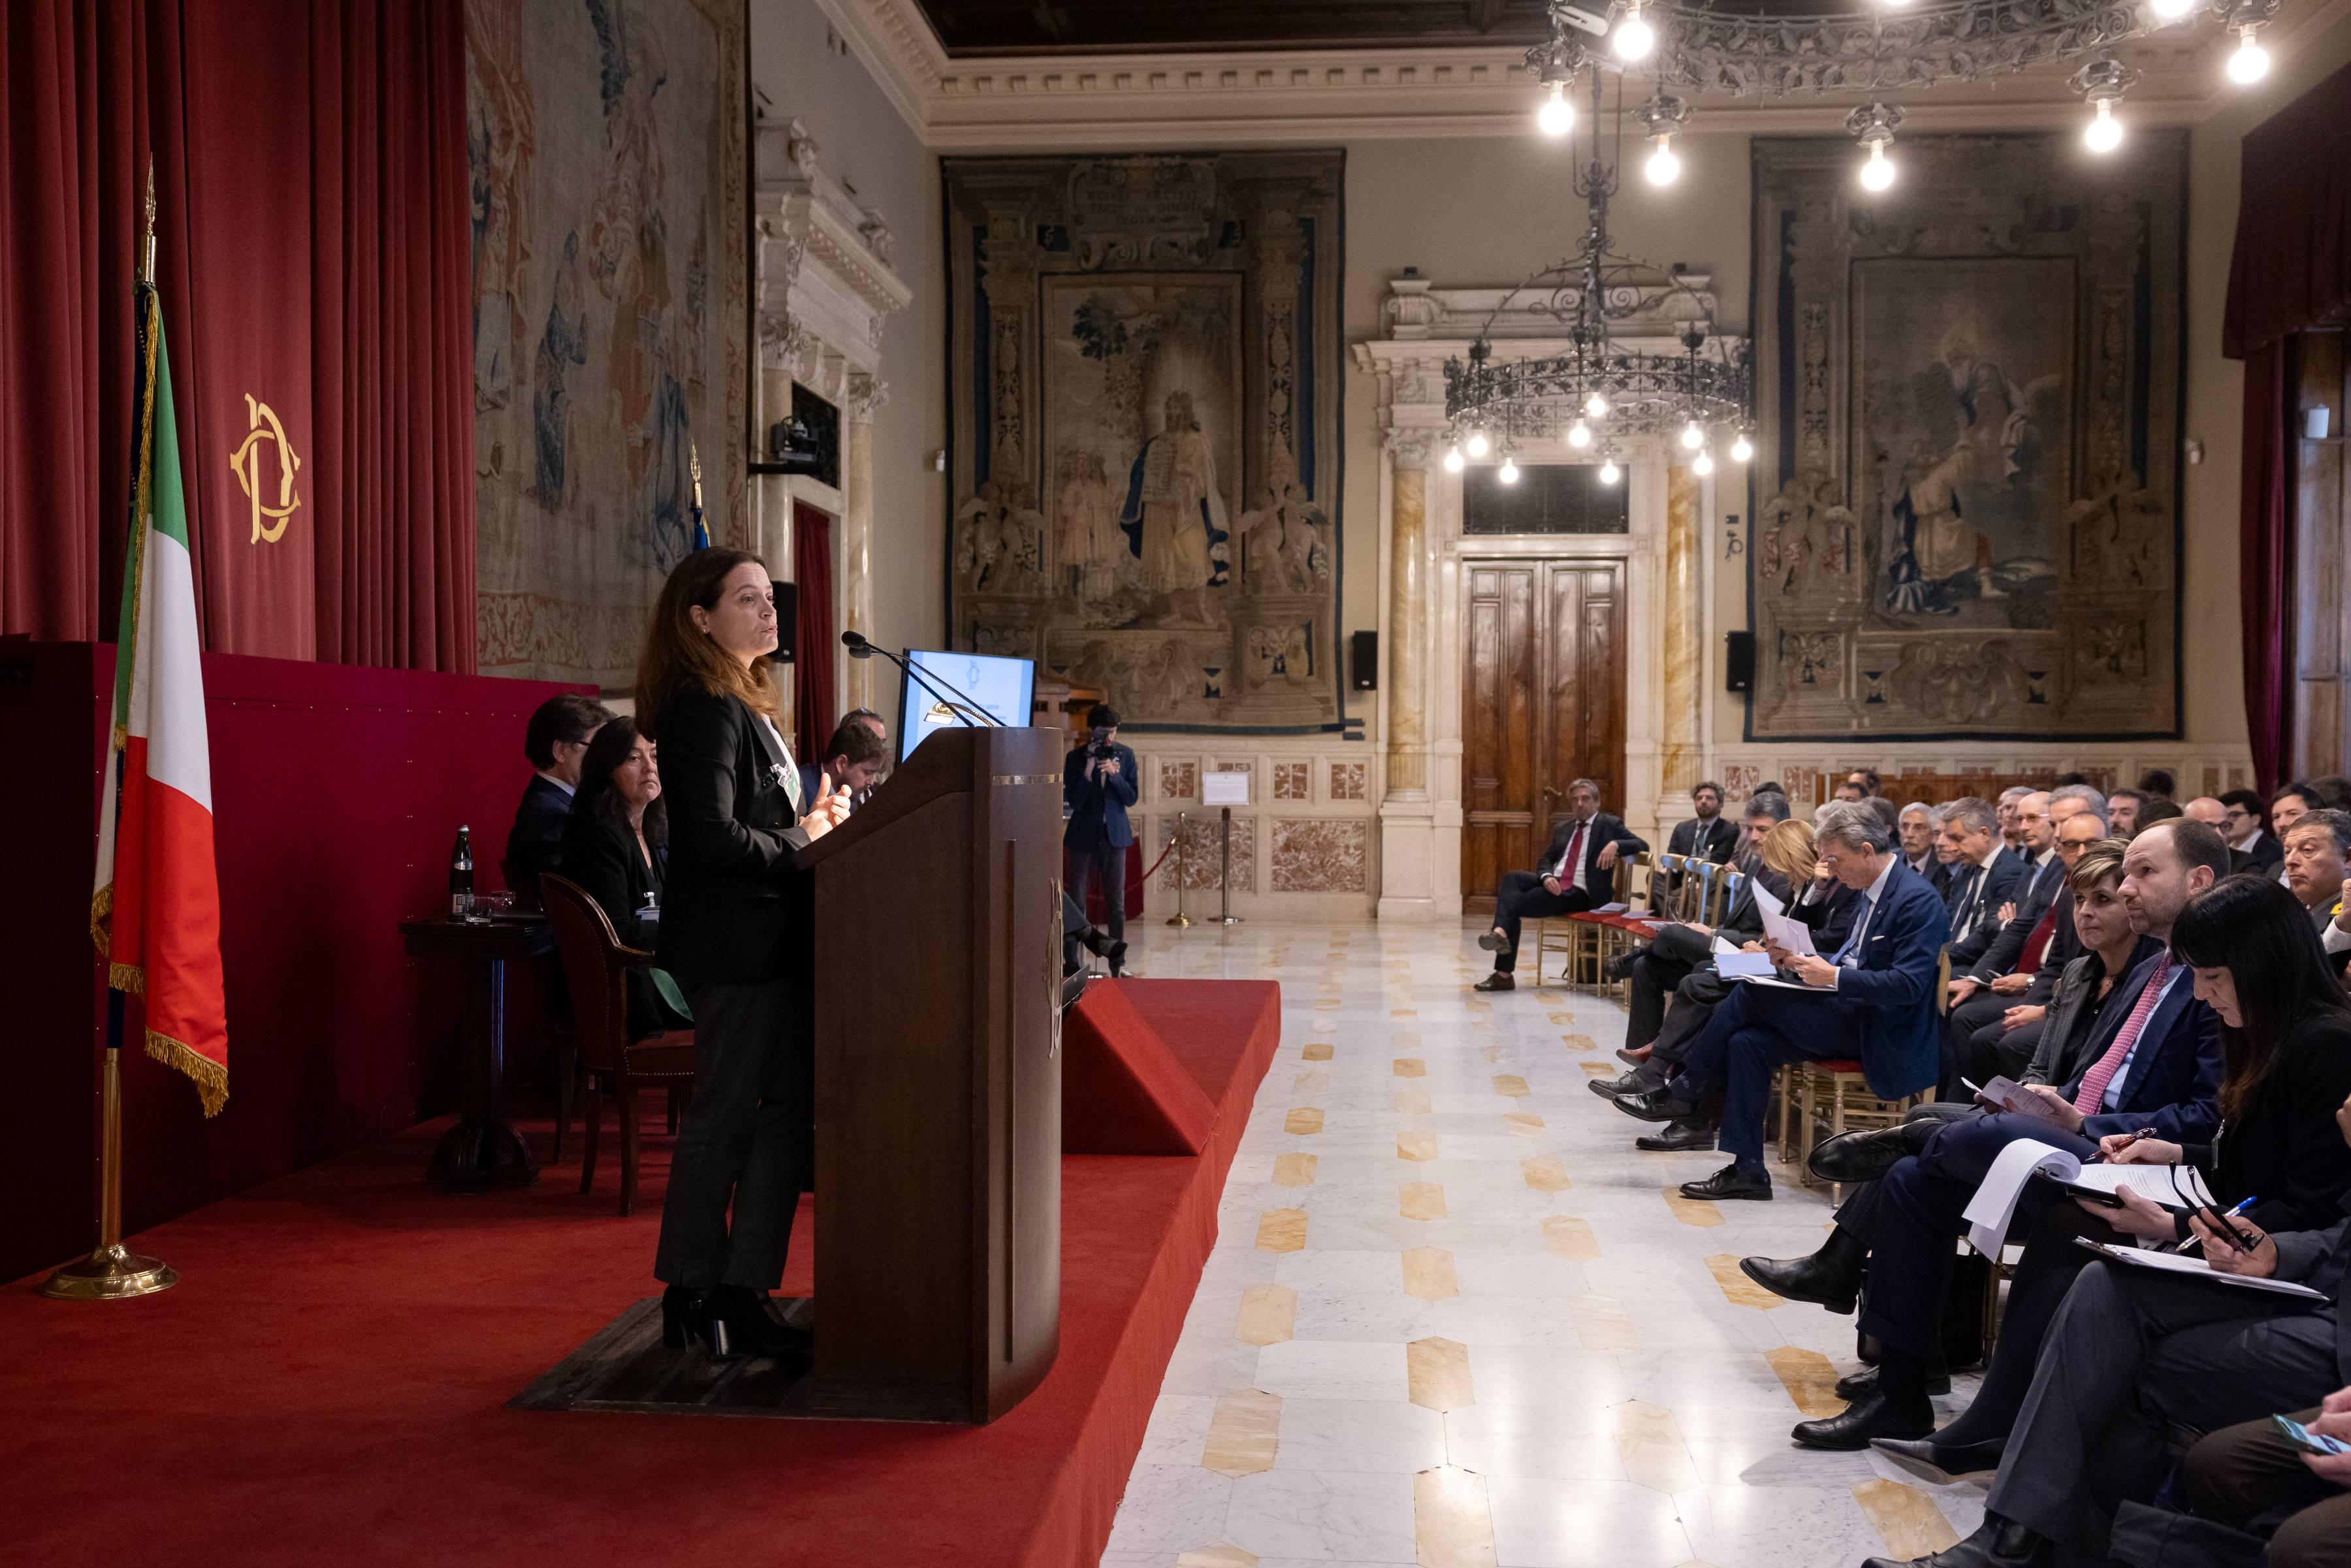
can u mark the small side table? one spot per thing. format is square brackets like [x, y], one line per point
[482, 1149]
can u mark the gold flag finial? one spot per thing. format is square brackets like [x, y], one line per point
[147, 246]
[693, 462]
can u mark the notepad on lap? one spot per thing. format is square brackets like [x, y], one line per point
[1994, 1205]
[2197, 1268]
[1742, 966]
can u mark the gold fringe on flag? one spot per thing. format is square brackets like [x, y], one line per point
[210, 1077]
[101, 920]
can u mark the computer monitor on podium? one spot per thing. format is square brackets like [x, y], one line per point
[1002, 688]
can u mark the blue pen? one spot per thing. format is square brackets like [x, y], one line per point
[2233, 1214]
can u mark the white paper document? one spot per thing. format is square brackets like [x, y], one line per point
[1778, 929]
[1994, 1205]
[1734, 965]
[2174, 1263]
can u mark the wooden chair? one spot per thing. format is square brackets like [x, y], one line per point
[598, 966]
[1839, 1089]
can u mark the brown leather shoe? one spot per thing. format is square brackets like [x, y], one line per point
[1636, 1054]
[1500, 980]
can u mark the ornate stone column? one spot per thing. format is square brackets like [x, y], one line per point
[1407, 704]
[866, 393]
[1681, 740]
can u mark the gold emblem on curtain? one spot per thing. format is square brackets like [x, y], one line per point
[264, 429]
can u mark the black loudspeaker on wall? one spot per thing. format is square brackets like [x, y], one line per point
[1739, 664]
[1364, 661]
[787, 604]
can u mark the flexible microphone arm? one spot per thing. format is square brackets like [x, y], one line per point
[970, 712]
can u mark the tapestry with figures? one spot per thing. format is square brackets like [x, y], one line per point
[1969, 392]
[1146, 363]
[608, 155]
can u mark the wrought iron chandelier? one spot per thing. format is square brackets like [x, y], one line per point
[1600, 391]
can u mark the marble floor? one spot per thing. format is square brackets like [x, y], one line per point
[1455, 1319]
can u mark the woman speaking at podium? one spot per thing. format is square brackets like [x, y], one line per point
[736, 933]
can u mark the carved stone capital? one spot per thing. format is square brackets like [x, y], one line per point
[866, 393]
[1408, 447]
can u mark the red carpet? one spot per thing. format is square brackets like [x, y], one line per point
[328, 1385]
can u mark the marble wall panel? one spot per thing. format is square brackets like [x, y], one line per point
[1320, 854]
[1203, 842]
[1293, 780]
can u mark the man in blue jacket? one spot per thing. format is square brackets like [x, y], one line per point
[1098, 784]
[1871, 1001]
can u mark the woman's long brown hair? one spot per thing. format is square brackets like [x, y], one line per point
[2262, 935]
[678, 654]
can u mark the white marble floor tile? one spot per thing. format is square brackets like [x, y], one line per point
[1545, 1523]
[1333, 1369]
[1323, 1514]
[1359, 1435]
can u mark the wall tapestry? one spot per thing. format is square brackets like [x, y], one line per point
[1145, 364]
[1969, 390]
[609, 161]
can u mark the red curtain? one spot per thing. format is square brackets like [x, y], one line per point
[313, 260]
[812, 632]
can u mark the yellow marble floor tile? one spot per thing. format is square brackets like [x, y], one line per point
[1315, 1050]
[1561, 1020]
[1525, 1124]
[1428, 1274]
[1603, 1324]
[1697, 1211]
[1511, 1085]
[1904, 1518]
[1282, 1231]
[1580, 1043]
[1569, 1238]
[1652, 1449]
[1479, 1005]
[1415, 1146]
[1452, 1524]
[1436, 1372]
[1403, 1012]
[1742, 1291]
[1808, 1378]
[1304, 1119]
[1545, 1174]
[1243, 1433]
[1494, 1055]
[1409, 1067]
[1294, 1170]
[1411, 1102]
[1598, 1068]
[1421, 1200]
[1267, 1313]
[1219, 1556]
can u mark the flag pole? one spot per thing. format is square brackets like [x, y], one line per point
[113, 1273]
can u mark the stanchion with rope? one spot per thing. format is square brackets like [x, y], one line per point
[1177, 849]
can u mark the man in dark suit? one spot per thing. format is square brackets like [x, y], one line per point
[1098, 784]
[1575, 874]
[1984, 876]
[853, 759]
[2002, 1029]
[1914, 826]
[2154, 1061]
[1973, 1001]
[2318, 865]
[1872, 1000]
[1710, 835]
[1652, 972]
[2240, 823]
[555, 740]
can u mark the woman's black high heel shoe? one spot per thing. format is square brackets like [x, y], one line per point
[739, 1324]
[686, 1317]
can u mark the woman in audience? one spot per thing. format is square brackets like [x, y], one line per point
[736, 930]
[616, 847]
[2287, 1038]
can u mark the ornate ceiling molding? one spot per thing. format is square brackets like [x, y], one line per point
[824, 286]
[1121, 102]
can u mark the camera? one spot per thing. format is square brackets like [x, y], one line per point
[1102, 750]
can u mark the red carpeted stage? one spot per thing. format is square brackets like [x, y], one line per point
[330, 1384]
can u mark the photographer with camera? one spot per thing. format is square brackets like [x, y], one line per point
[1098, 784]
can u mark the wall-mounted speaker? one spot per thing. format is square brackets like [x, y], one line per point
[1364, 661]
[1738, 661]
[787, 619]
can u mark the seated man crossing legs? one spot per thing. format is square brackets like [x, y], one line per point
[1574, 875]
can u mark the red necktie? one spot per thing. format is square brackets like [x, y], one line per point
[1571, 865]
[2036, 946]
[2094, 1082]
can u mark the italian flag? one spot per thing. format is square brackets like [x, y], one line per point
[156, 911]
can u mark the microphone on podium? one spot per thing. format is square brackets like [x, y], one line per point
[960, 704]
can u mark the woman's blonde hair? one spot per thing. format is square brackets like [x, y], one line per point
[679, 655]
[1787, 850]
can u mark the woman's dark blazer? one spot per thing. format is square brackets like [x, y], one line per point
[603, 859]
[735, 909]
[2285, 1148]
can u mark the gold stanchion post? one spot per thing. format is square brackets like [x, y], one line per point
[1180, 918]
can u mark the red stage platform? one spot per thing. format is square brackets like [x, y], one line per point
[329, 1385]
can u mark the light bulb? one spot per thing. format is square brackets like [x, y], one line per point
[2250, 63]
[1635, 37]
[1693, 435]
[1702, 464]
[1477, 445]
[1509, 472]
[1742, 448]
[1579, 435]
[1557, 116]
[1609, 472]
[1453, 460]
[1663, 167]
[1595, 406]
[1877, 174]
[2172, 10]
[2104, 132]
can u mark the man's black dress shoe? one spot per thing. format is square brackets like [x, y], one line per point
[1620, 967]
[1873, 1417]
[1657, 1106]
[1500, 980]
[1866, 1156]
[1997, 1543]
[1640, 1081]
[1853, 1384]
[1678, 1138]
[1944, 1464]
[1731, 1181]
[1494, 942]
[740, 1324]
[1829, 1277]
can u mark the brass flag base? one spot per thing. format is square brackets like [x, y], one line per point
[111, 1274]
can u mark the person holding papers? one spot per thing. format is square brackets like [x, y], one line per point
[1872, 999]
[1575, 874]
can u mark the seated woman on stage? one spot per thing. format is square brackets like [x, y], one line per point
[2286, 1034]
[737, 931]
[616, 847]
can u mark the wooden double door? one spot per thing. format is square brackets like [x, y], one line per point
[1542, 703]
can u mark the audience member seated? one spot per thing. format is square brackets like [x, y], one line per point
[2012, 832]
[1079, 935]
[1709, 835]
[556, 740]
[1914, 825]
[2256, 850]
[1984, 877]
[2156, 1062]
[2242, 1477]
[2122, 813]
[616, 847]
[2207, 810]
[1653, 969]
[1575, 874]
[1982, 998]
[2015, 1005]
[1098, 784]
[2316, 866]
[1872, 1001]
[2157, 809]
[853, 760]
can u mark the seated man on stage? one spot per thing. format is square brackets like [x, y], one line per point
[1575, 874]
[556, 740]
[1872, 1001]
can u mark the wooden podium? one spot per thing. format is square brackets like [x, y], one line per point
[938, 1083]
